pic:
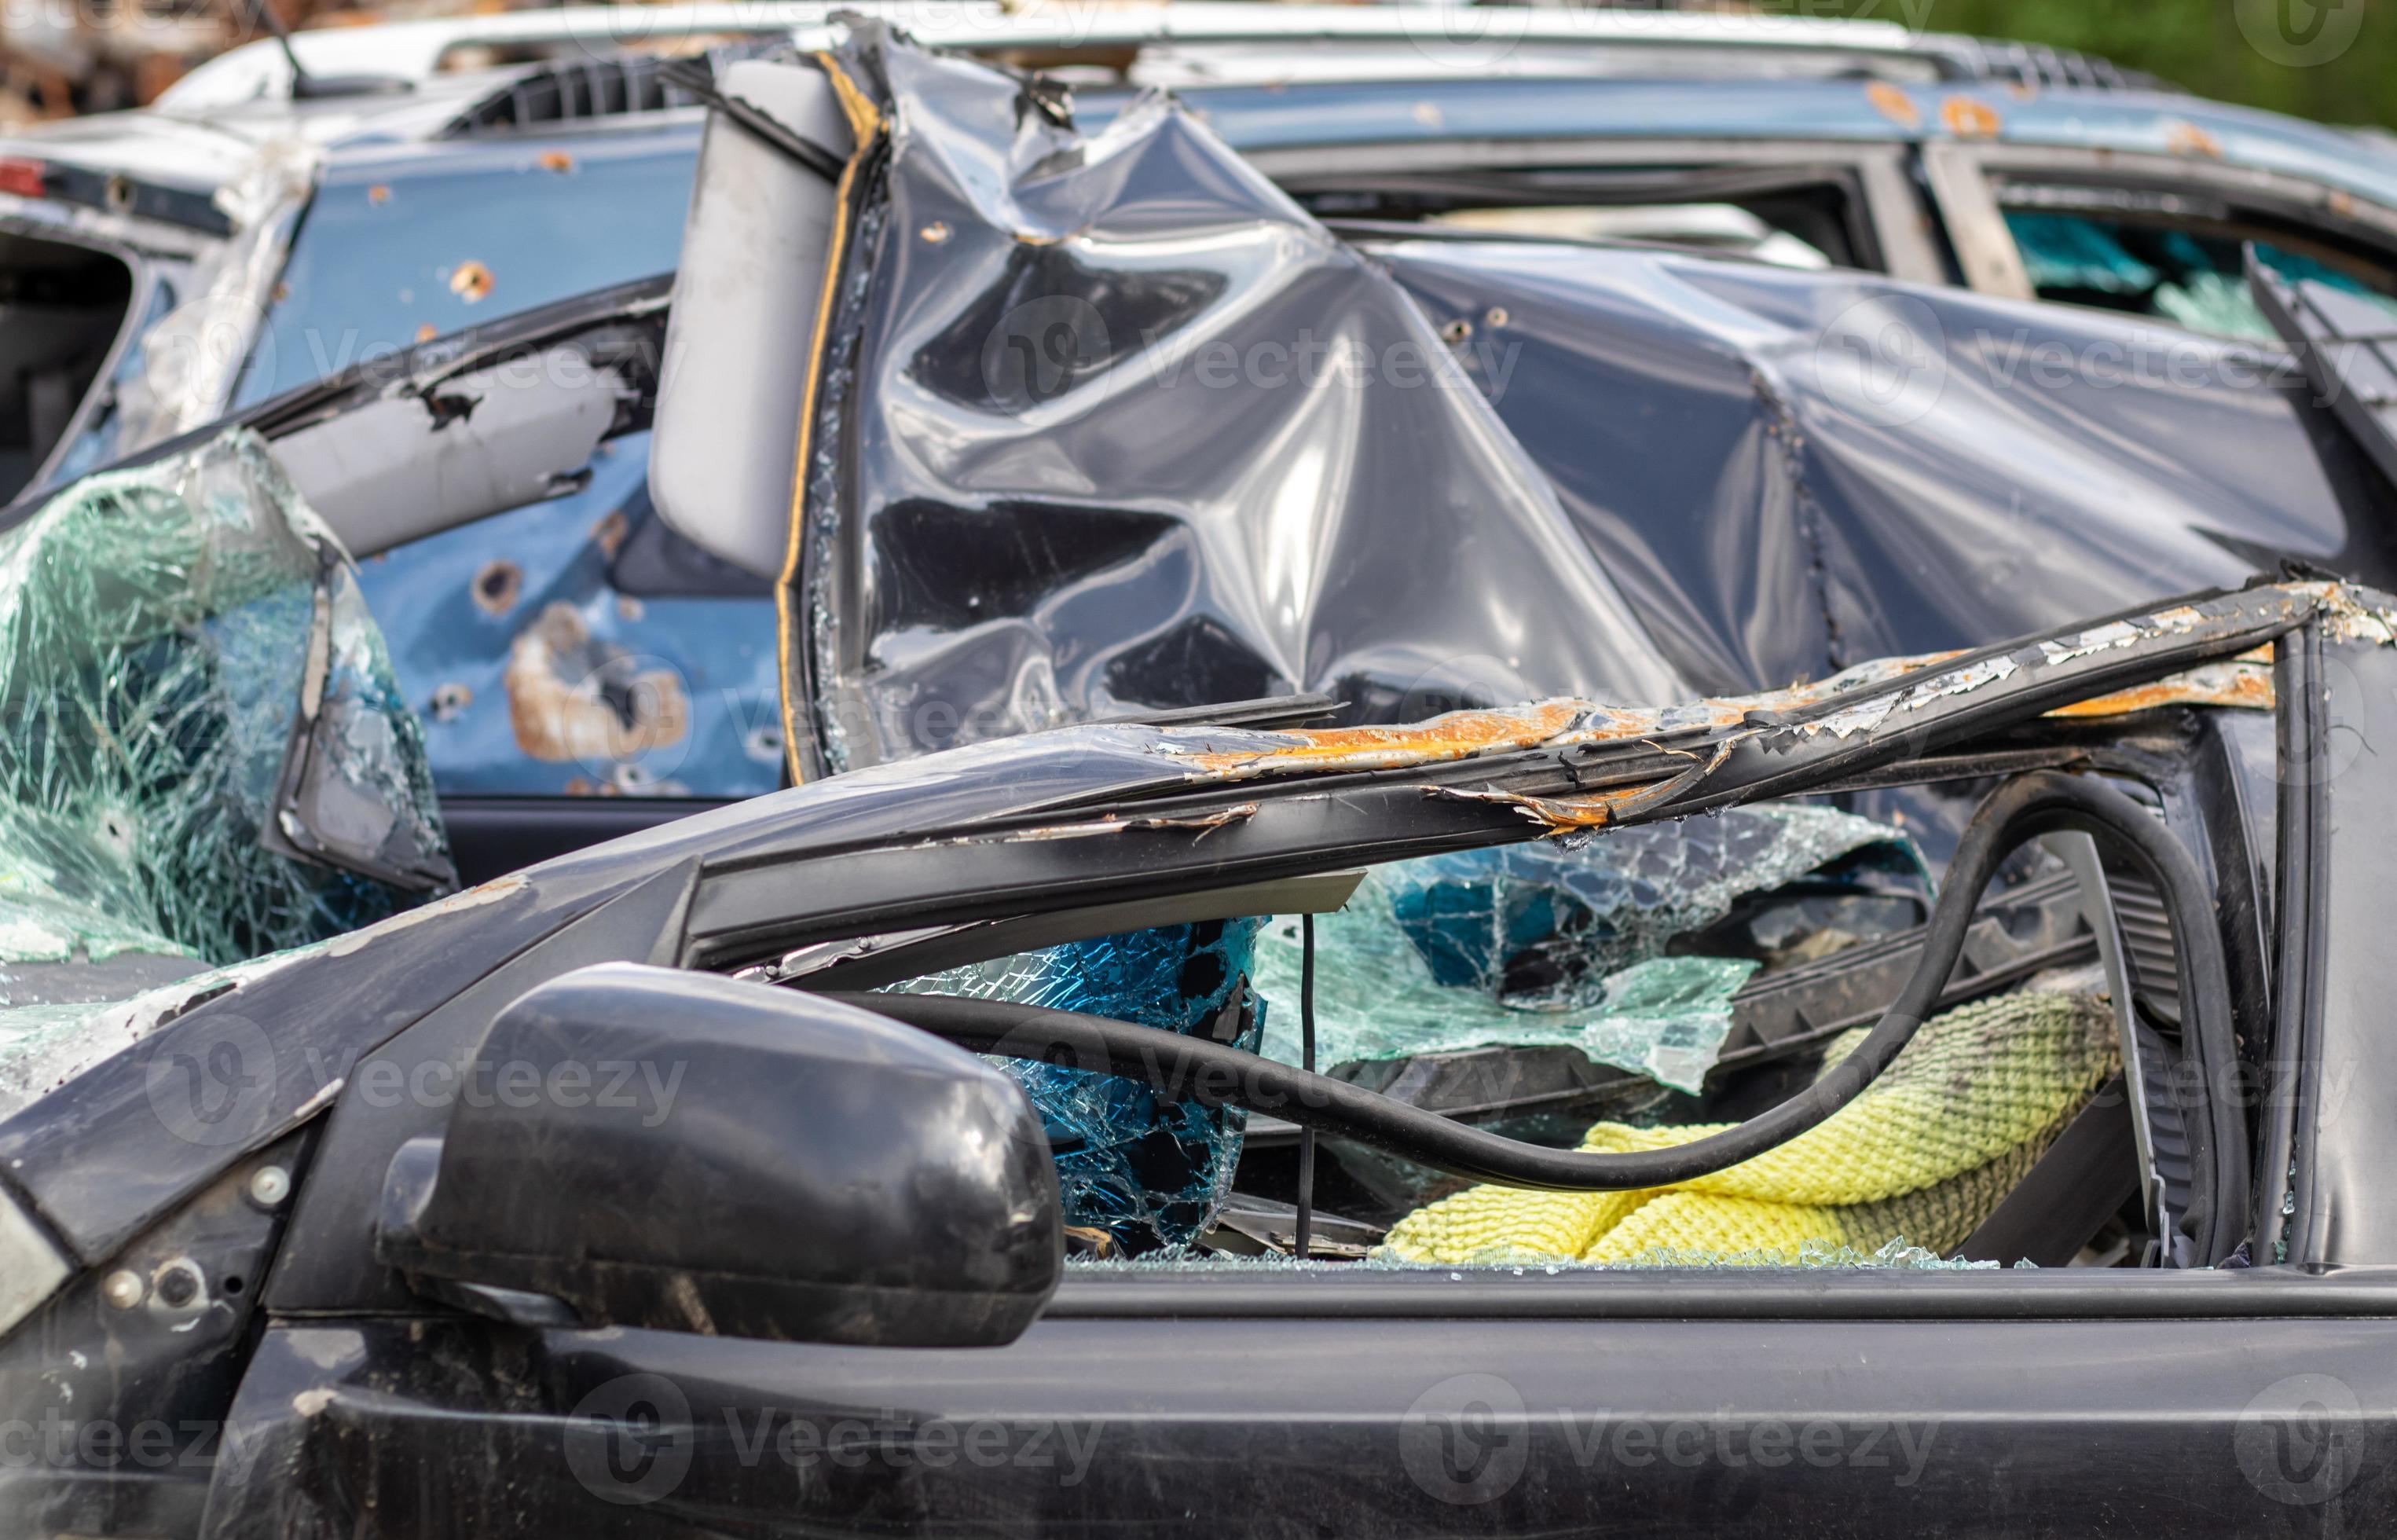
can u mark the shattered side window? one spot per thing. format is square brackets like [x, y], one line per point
[1625, 953]
[1545, 944]
[2195, 279]
[207, 755]
[1148, 1172]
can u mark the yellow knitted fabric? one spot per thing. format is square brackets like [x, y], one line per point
[1924, 1155]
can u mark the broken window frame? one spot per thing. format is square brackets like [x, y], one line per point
[1966, 182]
[152, 264]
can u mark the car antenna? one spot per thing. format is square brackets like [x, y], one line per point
[305, 86]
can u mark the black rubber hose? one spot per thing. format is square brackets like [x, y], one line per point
[1217, 1075]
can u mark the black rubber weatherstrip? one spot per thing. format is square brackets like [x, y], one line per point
[698, 81]
[1217, 1075]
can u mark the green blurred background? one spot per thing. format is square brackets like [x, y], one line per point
[2200, 44]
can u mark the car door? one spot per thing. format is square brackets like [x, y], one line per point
[1391, 1404]
[1263, 1398]
[580, 670]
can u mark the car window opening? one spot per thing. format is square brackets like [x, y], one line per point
[1650, 987]
[1805, 219]
[64, 305]
[2176, 258]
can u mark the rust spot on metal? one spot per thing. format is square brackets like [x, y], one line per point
[497, 585]
[2183, 137]
[557, 160]
[575, 697]
[1458, 735]
[379, 194]
[471, 281]
[1893, 104]
[1556, 814]
[2243, 683]
[609, 532]
[1967, 117]
[427, 331]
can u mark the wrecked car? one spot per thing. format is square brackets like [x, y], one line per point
[1289, 993]
[429, 174]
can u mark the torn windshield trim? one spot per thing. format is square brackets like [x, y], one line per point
[1413, 802]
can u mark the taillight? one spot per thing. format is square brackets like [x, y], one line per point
[22, 178]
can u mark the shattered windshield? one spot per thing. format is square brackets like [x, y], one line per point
[207, 759]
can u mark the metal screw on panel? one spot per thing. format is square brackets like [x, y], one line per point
[269, 1186]
[122, 1289]
[179, 1283]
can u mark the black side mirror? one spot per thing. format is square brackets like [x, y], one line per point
[694, 1154]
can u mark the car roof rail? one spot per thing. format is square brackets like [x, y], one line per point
[2036, 66]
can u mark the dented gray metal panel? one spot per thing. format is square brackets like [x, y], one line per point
[1787, 473]
[1050, 477]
